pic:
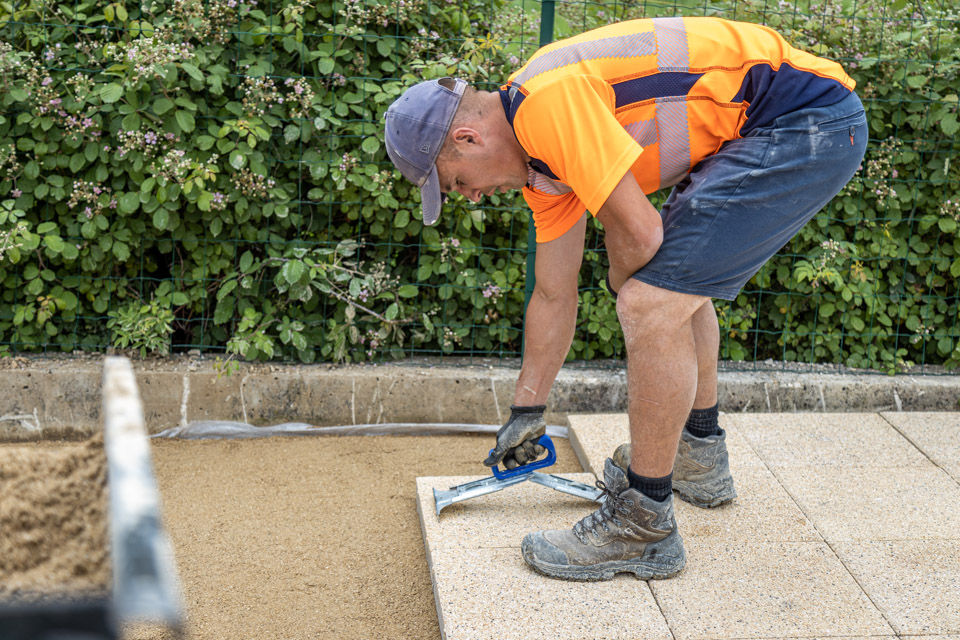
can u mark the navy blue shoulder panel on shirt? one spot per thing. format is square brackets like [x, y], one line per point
[510, 107]
[772, 94]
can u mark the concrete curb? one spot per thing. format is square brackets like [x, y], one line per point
[61, 397]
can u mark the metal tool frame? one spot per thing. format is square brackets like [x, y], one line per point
[443, 498]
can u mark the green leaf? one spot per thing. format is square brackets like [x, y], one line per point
[185, 120]
[293, 271]
[77, 161]
[111, 93]
[194, 72]
[54, 243]
[161, 218]
[216, 226]
[107, 13]
[246, 261]
[325, 67]
[408, 291]
[237, 160]
[385, 46]
[161, 106]
[130, 122]
[370, 144]
[392, 311]
[204, 201]
[46, 227]
[129, 202]
[70, 251]
[949, 124]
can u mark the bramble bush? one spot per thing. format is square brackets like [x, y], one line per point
[183, 174]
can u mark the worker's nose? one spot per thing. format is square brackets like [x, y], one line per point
[470, 194]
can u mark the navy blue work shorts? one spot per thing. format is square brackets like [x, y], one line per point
[740, 206]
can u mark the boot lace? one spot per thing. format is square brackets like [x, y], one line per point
[613, 505]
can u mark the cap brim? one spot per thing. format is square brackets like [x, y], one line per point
[431, 197]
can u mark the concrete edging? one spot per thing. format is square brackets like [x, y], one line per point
[50, 399]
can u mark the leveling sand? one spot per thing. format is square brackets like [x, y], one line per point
[312, 537]
[53, 524]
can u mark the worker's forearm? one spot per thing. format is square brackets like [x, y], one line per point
[548, 332]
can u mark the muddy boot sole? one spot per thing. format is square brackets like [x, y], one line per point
[662, 560]
[708, 496]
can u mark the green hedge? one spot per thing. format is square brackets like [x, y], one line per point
[210, 175]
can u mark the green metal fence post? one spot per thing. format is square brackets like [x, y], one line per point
[546, 37]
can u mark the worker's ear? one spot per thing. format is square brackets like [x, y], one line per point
[465, 137]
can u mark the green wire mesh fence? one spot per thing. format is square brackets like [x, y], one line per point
[181, 175]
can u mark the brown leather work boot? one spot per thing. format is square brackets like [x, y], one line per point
[629, 533]
[701, 471]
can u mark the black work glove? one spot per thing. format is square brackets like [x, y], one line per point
[517, 439]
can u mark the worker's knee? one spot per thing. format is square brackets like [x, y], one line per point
[646, 311]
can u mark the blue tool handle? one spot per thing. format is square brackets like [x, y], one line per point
[544, 442]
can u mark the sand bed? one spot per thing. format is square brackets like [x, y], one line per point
[308, 537]
[53, 523]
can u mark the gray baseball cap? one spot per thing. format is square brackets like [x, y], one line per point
[416, 126]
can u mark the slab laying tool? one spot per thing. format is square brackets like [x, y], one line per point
[500, 480]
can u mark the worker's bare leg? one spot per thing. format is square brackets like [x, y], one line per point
[706, 335]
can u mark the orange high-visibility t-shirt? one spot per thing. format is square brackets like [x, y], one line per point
[653, 97]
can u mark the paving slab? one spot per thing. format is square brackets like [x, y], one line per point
[842, 439]
[594, 437]
[492, 593]
[497, 520]
[763, 510]
[876, 503]
[915, 583]
[937, 434]
[765, 590]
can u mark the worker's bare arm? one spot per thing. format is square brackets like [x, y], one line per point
[551, 315]
[632, 228]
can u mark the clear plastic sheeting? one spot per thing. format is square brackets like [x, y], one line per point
[226, 430]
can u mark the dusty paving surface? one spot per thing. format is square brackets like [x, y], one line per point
[308, 537]
[53, 526]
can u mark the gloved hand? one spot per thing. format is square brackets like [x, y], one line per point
[517, 439]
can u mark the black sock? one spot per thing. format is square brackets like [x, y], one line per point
[703, 422]
[658, 489]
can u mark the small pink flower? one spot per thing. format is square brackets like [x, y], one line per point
[46, 81]
[16, 193]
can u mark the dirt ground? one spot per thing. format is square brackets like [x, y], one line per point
[312, 537]
[53, 524]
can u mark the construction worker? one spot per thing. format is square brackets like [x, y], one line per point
[754, 136]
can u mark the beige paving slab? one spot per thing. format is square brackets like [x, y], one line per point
[843, 439]
[763, 511]
[872, 503]
[765, 590]
[498, 519]
[915, 583]
[594, 437]
[492, 593]
[937, 434]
